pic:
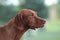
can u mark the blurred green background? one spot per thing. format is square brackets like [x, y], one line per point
[47, 9]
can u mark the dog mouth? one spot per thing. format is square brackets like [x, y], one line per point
[38, 27]
[41, 25]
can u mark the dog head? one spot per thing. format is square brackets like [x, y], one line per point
[29, 19]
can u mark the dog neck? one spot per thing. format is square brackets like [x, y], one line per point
[14, 30]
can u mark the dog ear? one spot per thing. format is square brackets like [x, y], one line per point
[21, 24]
[18, 21]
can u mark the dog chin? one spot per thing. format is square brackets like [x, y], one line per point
[34, 28]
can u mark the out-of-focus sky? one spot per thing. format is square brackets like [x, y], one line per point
[51, 2]
[14, 2]
[47, 2]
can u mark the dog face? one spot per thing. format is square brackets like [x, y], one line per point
[30, 18]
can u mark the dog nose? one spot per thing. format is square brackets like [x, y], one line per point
[44, 21]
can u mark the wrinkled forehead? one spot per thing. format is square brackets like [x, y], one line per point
[28, 12]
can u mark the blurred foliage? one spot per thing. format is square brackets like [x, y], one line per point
[58, 8]
[2, 2]
[7, 12]
[37, 5]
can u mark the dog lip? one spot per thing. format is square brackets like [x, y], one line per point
[42, 25]
[43, 22]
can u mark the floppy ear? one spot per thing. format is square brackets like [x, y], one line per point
[18, 21]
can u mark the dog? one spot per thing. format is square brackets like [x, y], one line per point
[26, 19]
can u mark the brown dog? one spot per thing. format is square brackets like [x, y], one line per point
[15, 28]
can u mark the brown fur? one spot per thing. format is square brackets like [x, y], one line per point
[15, 28]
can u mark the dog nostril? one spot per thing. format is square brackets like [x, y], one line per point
[44, 20]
